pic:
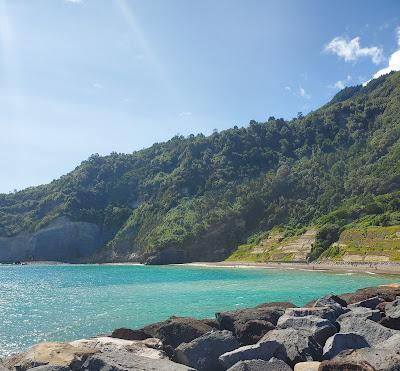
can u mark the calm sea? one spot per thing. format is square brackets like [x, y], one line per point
[66, 302]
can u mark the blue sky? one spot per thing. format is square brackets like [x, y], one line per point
[96, 76]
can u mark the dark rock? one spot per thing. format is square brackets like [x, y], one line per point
[126, 361]
[381, 307]
[345, 365]
[295, 346]
[342, 341]
[165, 256]
[370, 303]
[251, 331]
[259, 365]
[202, 353]
[48, 368]
[227, 320]
[392, 323]
[392, 310]
[330, 300]
[384, 292]
[176, 330]
[318, 327]
[373, 332]
[262, 350]
[322, 312]
[362, 313]
[128, 334]
[277, 304]
[210, 322]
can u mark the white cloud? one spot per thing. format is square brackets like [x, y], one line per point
[340, 84]
[303, 93]
[185, 114]
[73, 1]
[288, 88]
[394, 61]
[351, 50]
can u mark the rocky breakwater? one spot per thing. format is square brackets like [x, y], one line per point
[353, 331]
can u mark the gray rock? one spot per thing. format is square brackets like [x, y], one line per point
[392, 310]
[324, 312]
[227, 320]
[373, 332]
[393, 323]
[50, 368]
[125, 361]
[262, 350]
[392, 343]
[295, 346]
[252, 331]
[362, 313]
[370, 303]
[259, 365]
[318, 327]
[202, 353]
[342, 341]
[128, 334]
[330, 300]
[345, 365]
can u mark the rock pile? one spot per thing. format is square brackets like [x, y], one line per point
[354, 331]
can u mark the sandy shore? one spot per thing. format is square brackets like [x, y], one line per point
[374, 268]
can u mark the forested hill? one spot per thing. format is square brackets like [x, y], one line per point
[197, 198]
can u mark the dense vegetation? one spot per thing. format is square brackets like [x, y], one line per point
[205, 195]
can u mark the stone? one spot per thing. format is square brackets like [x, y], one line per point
[265, 312]
[392, 323]
[387, 293]
[149, 348]
[210, 322]
[128, 334]
[362, 313]
[277, 304]
[342, 341]
[262, 351]
[177, 330]
[323, 312]
[48, 368]
[125, 361]
[345, 365]
[320, 328]
[392, 343]
[370, 303]
[295, 346]
[251, 331]
[373, 332]
[307, 366]
[202, 353]
[379, 359]
[330, 300]
[259, 365]
[392, 309]
[52, 354]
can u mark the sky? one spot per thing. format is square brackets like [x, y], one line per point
[79, 77]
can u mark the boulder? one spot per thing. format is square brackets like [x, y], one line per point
[262, 350]
[373, 332]
[345, 365]
[294, 346]
[307, 366]
[177, 330]
[210, 322]
[52, 354]
[342, 341]
[202, 353]
[125, 361]
[263, 312]
[149, 348]
[379, 359]
[387, 293]
[318, 327]
[392, 343]
[392, 309]
[251, 331]
[324, 312]
[362, 313]
[128, 334]
[370, 303]
[330, 300]
[259, 365]
[47, 368]
[393, 323]
[277, 304]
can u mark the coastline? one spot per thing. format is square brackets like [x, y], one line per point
[378, 268]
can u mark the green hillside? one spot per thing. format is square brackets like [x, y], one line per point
[199, 197]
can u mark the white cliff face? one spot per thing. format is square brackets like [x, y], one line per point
[63, 240]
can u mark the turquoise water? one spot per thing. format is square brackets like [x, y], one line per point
[48, 303]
